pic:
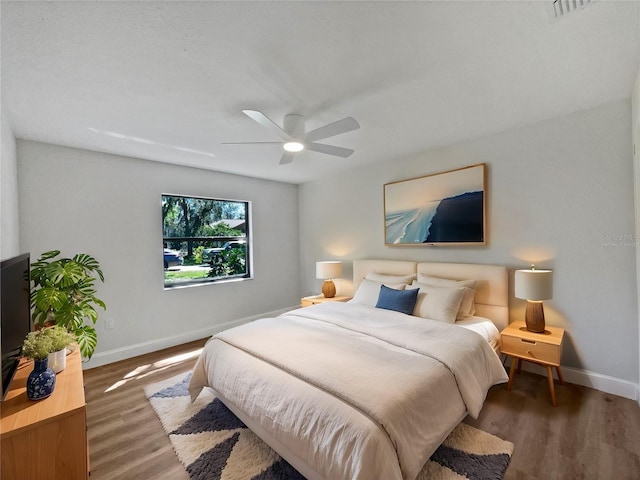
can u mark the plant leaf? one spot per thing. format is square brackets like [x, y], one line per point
[90, 263]
[49, 298]
[87, 339]
[48, 255]
[100, 303]
[64, 274]
[86, 287]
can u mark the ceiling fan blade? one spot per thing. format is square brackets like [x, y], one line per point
[335, 128]
[266, 122]
[329, 149]
[287, 157]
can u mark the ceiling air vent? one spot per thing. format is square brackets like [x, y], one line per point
[558, 9]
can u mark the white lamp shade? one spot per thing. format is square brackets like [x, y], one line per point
[326, 270]
[534, 284]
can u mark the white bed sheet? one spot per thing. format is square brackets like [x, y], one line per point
[485, 328]
[331, 432]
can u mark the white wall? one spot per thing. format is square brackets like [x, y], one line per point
[560, 194]
[109, 206]
[9, 233]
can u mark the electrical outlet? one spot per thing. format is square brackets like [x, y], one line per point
[109, 323]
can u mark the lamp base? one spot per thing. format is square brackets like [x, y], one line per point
[534, 317]
[328, 289]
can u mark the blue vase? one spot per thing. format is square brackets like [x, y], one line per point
[41, 381]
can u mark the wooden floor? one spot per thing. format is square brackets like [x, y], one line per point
[126, 439]
[590, 435]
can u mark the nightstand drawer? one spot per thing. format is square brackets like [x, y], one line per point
[531, 349]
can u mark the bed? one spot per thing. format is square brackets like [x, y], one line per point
[350, 391]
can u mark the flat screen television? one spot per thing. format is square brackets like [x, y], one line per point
[15, 322]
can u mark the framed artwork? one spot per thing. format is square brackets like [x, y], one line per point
[445, 208]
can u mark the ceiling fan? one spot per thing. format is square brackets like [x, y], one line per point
[295, 139]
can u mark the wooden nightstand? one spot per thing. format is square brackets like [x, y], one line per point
[542, 348]
[315, 299]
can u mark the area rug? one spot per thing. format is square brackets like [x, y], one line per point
[212, 443]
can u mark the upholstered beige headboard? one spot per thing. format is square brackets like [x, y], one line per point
[492, 291]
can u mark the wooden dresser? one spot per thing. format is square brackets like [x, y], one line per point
[45, 439]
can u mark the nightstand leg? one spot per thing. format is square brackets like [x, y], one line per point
[560, 376]
[552, 389]
[512, 372]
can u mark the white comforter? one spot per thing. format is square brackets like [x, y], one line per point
[355, 392]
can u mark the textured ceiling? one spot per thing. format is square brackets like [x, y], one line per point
[167, 81]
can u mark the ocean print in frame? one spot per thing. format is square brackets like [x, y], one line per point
[446, 208]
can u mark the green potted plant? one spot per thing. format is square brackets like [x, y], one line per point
[42, 379]
[61, 338]
[64, 294]
[37, 345]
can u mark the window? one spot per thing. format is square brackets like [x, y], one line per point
[205, 240]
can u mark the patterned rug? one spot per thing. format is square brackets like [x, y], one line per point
[212, 443]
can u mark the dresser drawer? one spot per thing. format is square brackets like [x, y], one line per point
[531, 349]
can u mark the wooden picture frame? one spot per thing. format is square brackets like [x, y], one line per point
[446, 208]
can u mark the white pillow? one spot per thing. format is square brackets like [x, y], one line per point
[369, 291]
[437, 303]
[468, 305]
[379, 277]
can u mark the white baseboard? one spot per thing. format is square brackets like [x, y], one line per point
[597, 381]
[122, 353]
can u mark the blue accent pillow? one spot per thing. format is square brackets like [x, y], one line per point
[398, 300]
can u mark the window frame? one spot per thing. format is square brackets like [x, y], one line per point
[248, 275]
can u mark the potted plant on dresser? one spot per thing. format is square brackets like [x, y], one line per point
[61, 338]
[42, 379]
[64, 294]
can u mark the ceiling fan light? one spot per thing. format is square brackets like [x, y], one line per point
[293, 147]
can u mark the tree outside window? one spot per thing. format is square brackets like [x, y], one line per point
[205, 240]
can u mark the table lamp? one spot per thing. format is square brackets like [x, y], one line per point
[327, 271]
[534, 286]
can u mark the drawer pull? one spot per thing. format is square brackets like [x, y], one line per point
[532, 342]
